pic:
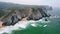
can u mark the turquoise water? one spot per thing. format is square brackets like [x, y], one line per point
[53, 27]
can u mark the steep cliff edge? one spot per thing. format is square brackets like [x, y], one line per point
[16, 12]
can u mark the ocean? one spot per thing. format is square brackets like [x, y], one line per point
[52, 26]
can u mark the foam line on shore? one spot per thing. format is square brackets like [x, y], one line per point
[19, 25]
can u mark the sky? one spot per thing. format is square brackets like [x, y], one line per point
[54, 3]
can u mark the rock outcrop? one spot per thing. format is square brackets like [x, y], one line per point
[32, 14]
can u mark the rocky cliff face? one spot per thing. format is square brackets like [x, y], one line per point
[38, 14]
[31, 13]
[16, 12]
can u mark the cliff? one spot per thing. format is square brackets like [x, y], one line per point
[16, 12]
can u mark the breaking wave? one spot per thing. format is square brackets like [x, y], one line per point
[22, 25]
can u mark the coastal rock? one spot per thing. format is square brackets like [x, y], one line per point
[31, 13]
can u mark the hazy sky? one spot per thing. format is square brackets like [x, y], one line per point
[54, 3]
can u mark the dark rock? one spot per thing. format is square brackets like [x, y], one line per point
[46, 20]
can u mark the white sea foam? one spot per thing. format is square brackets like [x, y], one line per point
[45, 26]
[34, 25]
[43, 21]
[20, 24]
